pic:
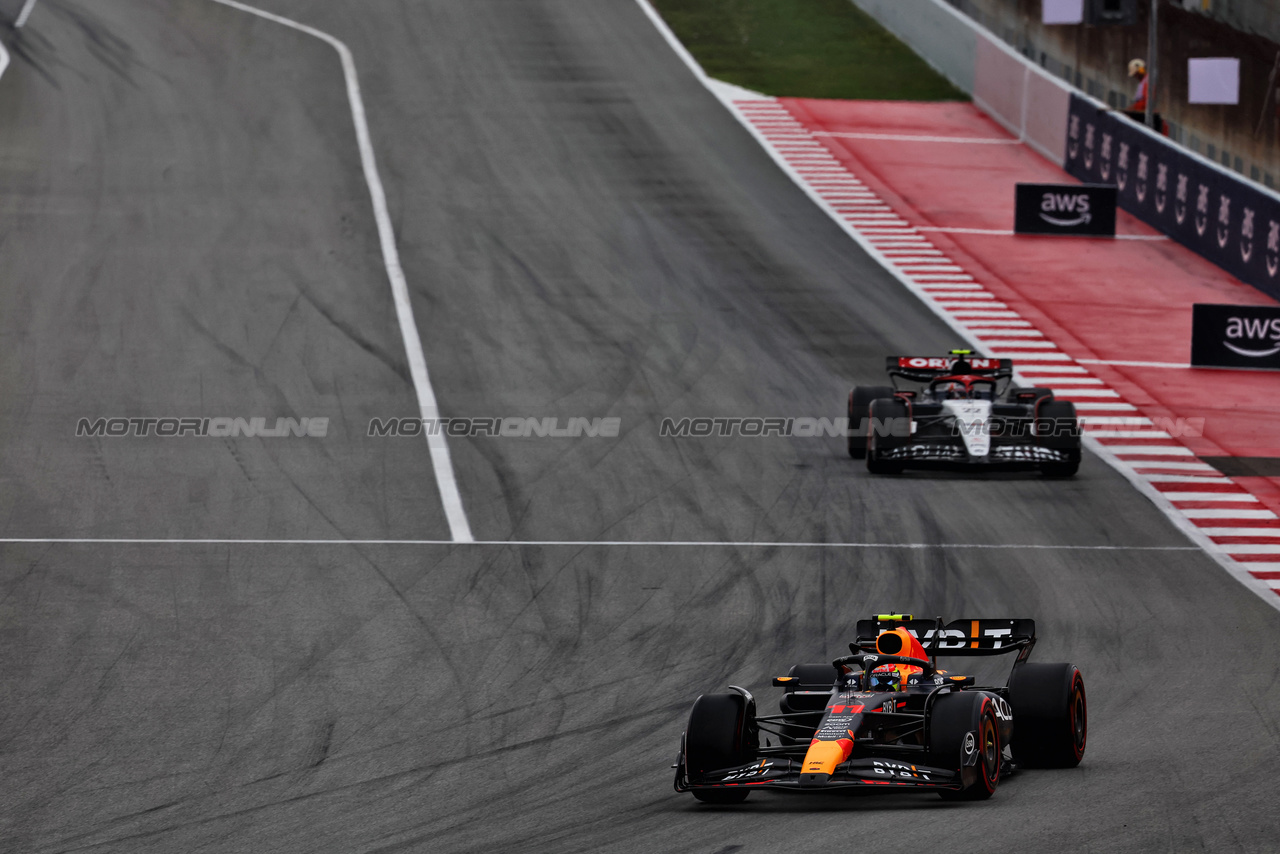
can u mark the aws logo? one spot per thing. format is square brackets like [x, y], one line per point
[1246, 234]
[1144, 170]
[1247, 330]
[1073, 138]
[1224, 222]
[1122, 168]
[1065, 210]
[1272, 257]
[1202, 209]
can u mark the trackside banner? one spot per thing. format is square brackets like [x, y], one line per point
[1069, 209]
[1223, 218]
[1235, 336]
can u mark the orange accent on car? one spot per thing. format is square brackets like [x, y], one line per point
[908, 644]
[823, 756]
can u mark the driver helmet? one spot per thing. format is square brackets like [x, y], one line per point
[953, 391]
[887, 678]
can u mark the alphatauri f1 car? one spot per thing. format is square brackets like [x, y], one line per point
[963, 412]
[887, 718]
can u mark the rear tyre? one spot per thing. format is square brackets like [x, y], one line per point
[955, 718]
[889, 416]
[1050, 715]
[1058, 428]
[859, 410]
[721, 734]
[814, 677]
[1039, 391]
[811, 677]
[820, 678]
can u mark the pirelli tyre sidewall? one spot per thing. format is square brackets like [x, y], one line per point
[965, 734]
[721, 734]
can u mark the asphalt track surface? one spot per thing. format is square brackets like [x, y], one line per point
[586, 232]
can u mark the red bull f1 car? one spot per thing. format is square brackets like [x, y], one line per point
[961, 412]
[887, 718]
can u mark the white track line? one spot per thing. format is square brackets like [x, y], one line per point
[24, 14]
[1192, 495]
[1161, 450]
[583, 543]
[1000, 232]
[1123, 364]
[900, 137]
[441, 462]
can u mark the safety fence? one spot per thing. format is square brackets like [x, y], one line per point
[1020, 95]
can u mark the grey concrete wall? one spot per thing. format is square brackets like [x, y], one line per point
[1029, 102]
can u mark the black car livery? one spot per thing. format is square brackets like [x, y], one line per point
[961, 411]
[888, 718]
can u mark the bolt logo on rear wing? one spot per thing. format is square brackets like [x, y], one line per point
[959, 637]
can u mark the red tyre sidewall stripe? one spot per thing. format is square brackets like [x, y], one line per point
[1077, 686]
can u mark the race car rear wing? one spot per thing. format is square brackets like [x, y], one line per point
[959, 637]
[926, 368]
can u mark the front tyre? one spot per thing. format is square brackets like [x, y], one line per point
[961, 725]
[721, 734]
[1060, 470]
[721, 796]
[1058, 428]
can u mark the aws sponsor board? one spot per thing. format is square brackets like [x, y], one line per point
[1228, 220]
[1071, 209]
[1235, 336]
